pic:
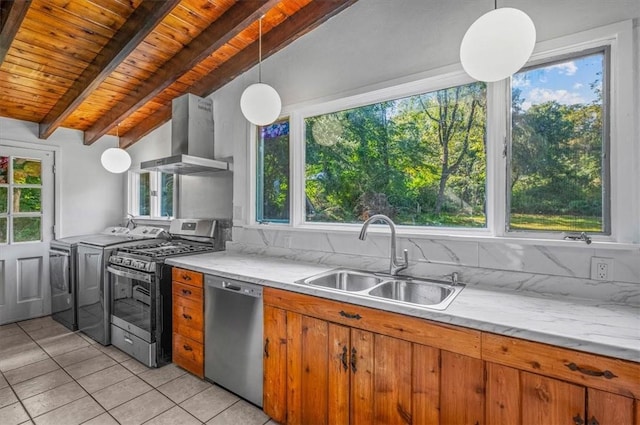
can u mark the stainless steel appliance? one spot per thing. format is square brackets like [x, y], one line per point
[63, 272]
[93, 292]
[191, 139]
[233, 337]
[140, 284]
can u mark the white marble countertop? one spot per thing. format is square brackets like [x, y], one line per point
[590, 326]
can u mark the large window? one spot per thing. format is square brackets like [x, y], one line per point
[151, 194]
[419, 160]
[559, 176]
[539, 155]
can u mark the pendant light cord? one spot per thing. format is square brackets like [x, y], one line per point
[260, 50]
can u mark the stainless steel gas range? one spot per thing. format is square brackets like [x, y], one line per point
[141, 310]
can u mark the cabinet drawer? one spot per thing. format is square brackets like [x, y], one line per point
[187, 276]
[605, 373]
[451, 338]
[192, 293]
[188, 318]
[188, 354]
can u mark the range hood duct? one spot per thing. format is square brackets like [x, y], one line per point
[191, 139]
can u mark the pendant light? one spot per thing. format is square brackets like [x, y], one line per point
[116, 160]
[497, 44]
[260, 103]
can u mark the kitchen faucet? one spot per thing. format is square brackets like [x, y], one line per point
[394, 266]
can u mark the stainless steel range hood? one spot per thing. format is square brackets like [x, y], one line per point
[191, 139]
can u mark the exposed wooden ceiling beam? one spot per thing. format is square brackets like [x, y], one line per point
[307, 19]
[234, 20]
[141, 22]
[12, 14]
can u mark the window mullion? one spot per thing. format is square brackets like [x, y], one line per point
[297, 178]
[256, 190]
[497, 147]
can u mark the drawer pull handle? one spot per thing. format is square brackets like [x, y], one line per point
[345, 365]
[187, 348]
[266, 348]
[350, 315]
[186, 292]
[593, 421]
[606, 374]
[186, 277]
[186, 316]
[577, 420]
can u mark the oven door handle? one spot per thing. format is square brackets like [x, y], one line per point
[130, 275]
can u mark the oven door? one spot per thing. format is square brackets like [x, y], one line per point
[133, 301]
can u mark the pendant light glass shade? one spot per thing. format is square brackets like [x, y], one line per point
[497, 44]
[115, 160]
[260, 103]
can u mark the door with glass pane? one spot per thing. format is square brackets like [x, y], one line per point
[26, 223]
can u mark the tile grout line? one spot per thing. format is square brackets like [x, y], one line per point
[32, 418]
[119, 360]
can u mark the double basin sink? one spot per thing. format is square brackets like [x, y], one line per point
[404, 290]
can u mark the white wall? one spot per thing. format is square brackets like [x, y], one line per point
[89, 197]
[376, 41]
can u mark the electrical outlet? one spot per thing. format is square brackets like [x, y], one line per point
[601, 268]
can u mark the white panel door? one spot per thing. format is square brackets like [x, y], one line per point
[26, 229]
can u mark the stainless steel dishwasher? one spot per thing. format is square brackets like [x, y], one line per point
[233, 336]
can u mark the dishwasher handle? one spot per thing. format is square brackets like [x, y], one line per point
[232, 285]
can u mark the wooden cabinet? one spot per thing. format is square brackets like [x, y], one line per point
[327, 362]
[188, 320]
[528, 382]
[331, 363]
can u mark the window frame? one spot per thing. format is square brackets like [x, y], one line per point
[624, 198]
[434, 83]
[11, 215]
[606, 140]
[155, 189]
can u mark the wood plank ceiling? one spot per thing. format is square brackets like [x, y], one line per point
[114, 66]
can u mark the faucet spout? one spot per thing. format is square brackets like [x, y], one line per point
[394, 266]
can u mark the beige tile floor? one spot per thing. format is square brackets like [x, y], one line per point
[50, 375]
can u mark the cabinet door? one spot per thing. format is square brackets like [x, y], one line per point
[503, 395]
[361, 365]
[550, 401]
[426, 385]
[604, 408]
[392, 380]
[275, 364]
[462, 390]
[339, 374]
[315, 364]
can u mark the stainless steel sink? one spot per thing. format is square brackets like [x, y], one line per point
[412, 291]
[430, 294]
[344, 280]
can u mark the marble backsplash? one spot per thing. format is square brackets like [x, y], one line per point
[545, 270]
